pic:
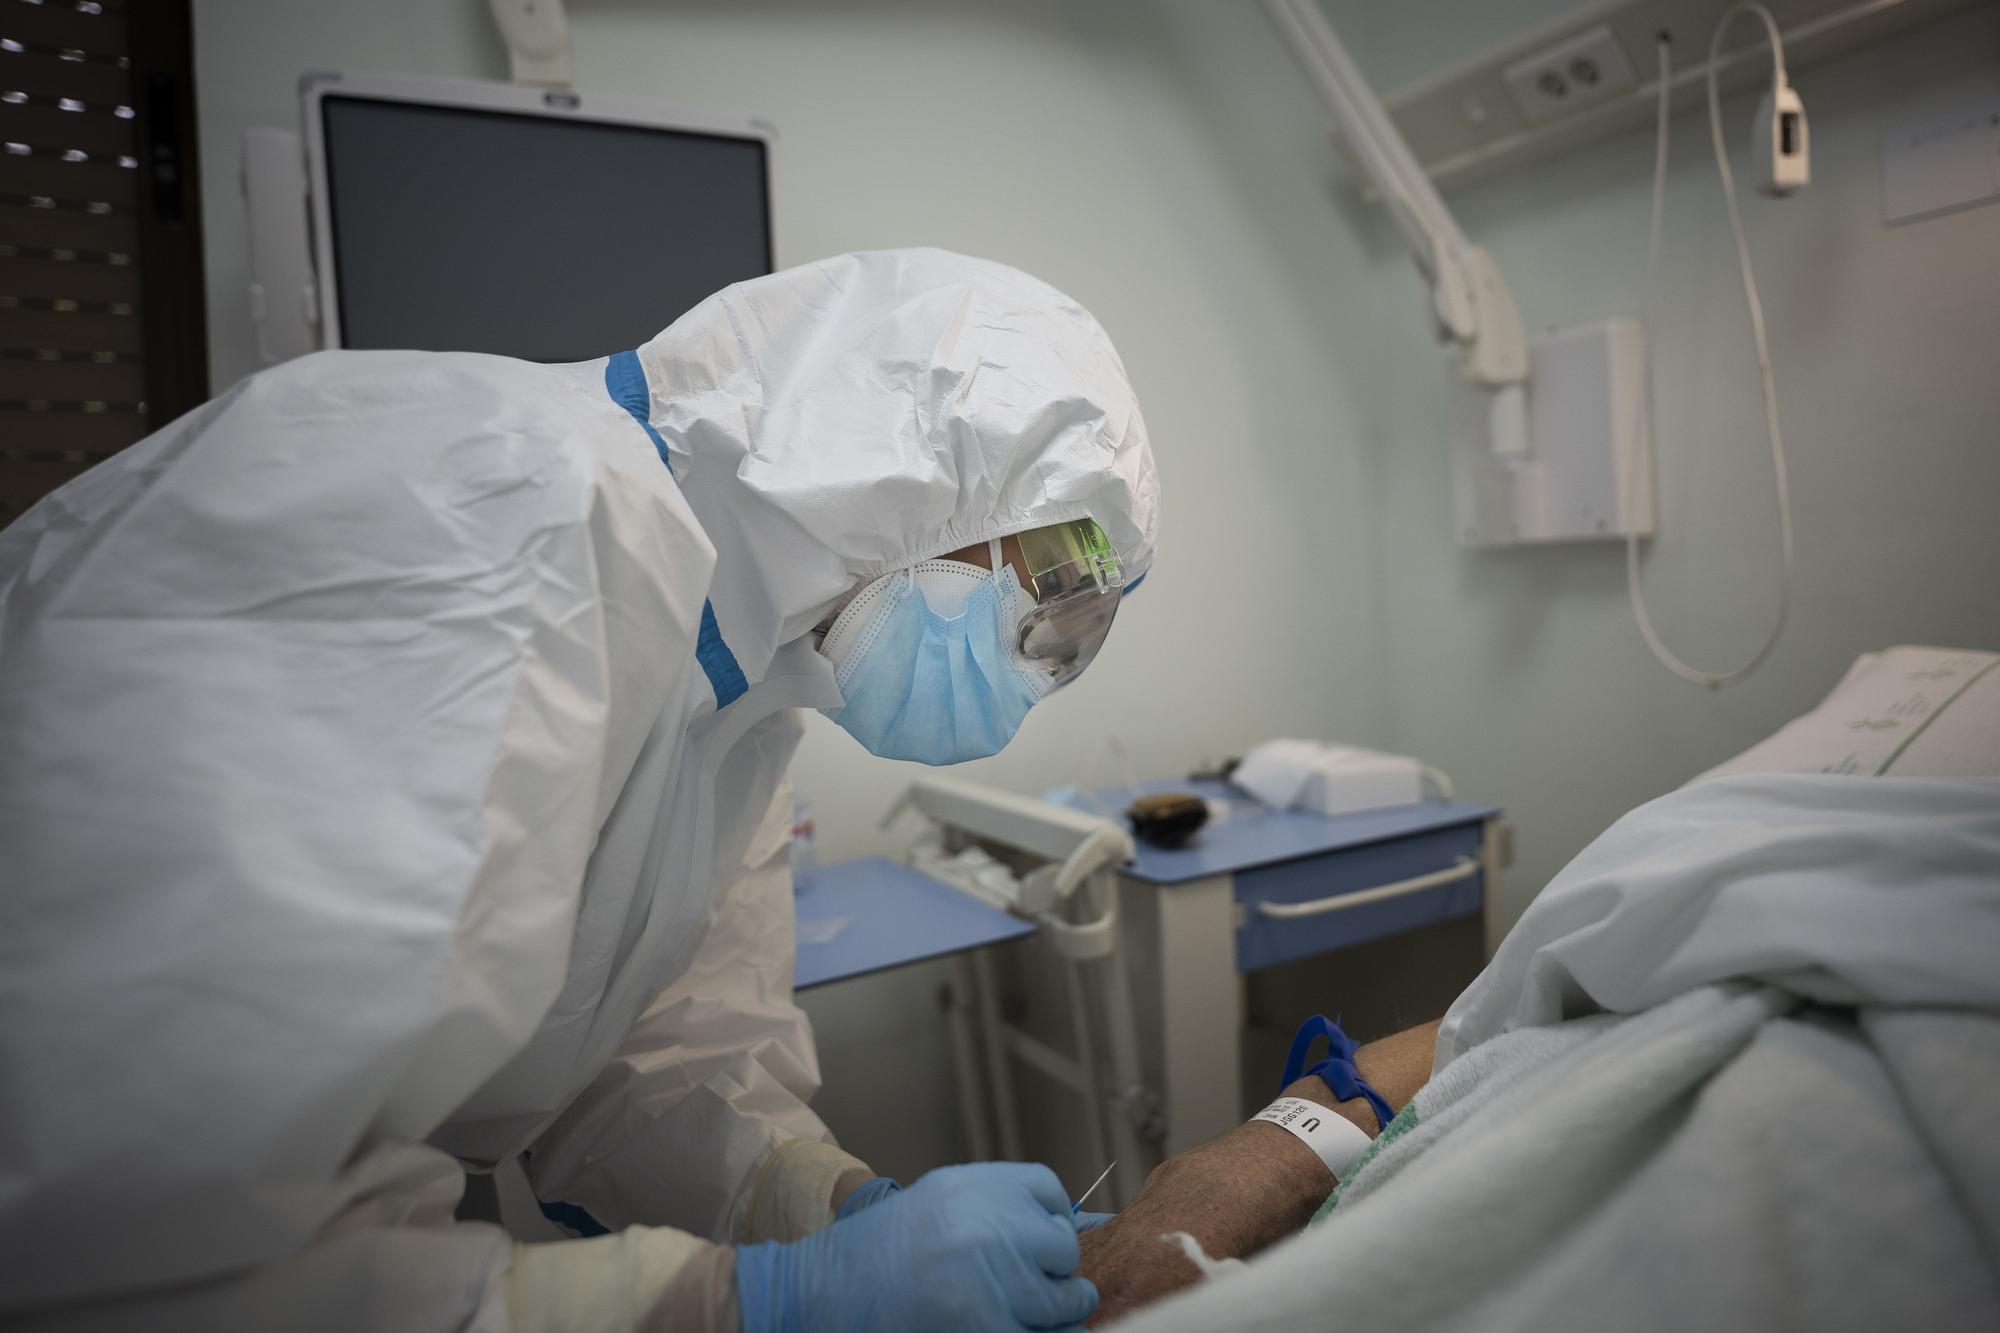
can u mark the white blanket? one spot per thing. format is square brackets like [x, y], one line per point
[1737, 1067]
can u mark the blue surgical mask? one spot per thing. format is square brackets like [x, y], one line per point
[941, 683]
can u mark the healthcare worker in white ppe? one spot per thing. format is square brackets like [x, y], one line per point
[392, 788]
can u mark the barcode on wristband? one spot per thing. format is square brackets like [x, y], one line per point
[1336, 1141]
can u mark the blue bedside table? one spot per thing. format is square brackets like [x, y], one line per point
[1258, 887]
[886, 915]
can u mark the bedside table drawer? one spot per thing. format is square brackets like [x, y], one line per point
[1308, 906]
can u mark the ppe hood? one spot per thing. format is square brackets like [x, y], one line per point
[845, 418]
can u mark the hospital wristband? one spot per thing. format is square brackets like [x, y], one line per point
[1335, 1140]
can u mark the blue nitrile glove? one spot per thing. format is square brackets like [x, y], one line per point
[866, 1195]
[1091, 1221]
[989, 1247]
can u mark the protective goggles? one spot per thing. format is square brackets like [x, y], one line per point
[1076, 582]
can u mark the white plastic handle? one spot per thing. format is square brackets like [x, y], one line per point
[1463, 868]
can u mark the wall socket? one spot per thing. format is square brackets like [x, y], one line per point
[1577, 72]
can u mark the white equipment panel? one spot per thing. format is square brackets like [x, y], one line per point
[1942, 163]
[1588, 445]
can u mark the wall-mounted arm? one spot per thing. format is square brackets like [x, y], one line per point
[1473, 306]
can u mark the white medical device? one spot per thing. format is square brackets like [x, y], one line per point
[1058, 868]
[1778, 143]
[540, 223]
[1784, 162]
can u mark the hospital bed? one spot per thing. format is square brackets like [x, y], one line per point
[1736, 1066]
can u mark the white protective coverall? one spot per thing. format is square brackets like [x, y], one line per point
[392, 780]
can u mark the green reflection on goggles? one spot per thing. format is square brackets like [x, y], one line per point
[1066, 556]
[1077, 581]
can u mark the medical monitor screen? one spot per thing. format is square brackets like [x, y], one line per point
[539, 237]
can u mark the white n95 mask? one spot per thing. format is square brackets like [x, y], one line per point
[927, 662]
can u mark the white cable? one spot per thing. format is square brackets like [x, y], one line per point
[1714, 679]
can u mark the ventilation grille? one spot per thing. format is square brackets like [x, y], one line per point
[72, 373]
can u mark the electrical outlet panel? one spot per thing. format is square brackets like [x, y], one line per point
[1577, 72]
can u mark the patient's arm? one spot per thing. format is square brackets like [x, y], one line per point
[1238, 1193]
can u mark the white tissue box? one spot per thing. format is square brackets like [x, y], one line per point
[1328, 779]
[1345, 780]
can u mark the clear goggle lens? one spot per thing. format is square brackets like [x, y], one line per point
[1076, 583]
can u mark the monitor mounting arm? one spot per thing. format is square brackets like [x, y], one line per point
[1468, 296]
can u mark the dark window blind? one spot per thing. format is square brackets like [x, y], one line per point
[101, 325]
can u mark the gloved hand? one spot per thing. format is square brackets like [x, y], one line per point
[866, 1195]
[988, 1247]
[1086, 1221]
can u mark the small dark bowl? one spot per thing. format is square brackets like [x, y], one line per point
[1168, 819]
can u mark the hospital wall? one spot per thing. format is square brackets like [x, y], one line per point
[1164, 163]
[1156, 161]
[1523, 673]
